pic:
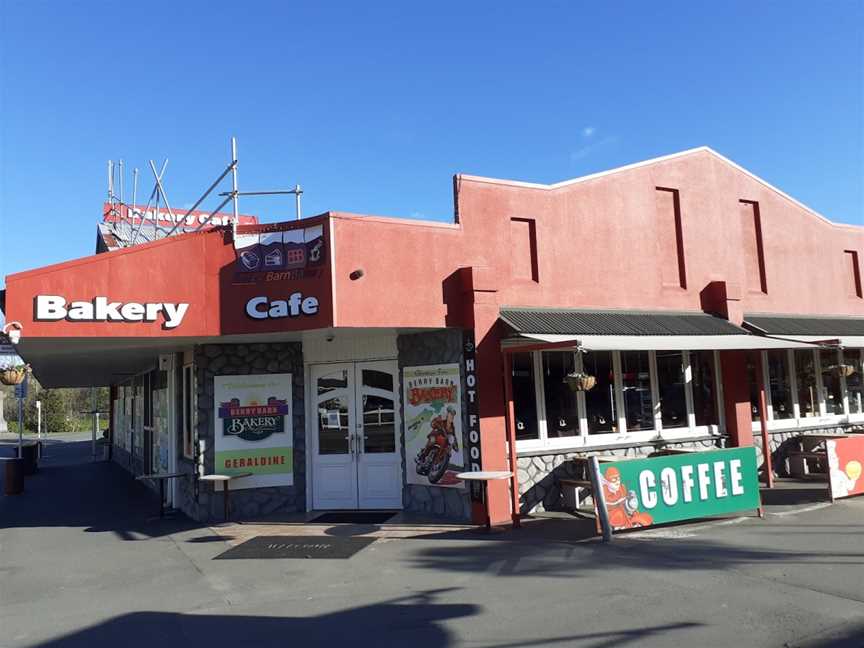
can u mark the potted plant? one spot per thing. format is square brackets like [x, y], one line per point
[579, 381]
[14, 374]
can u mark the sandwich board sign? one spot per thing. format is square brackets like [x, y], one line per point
[675, 487]
[845, 459]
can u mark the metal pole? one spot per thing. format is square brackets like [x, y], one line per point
[164, 197]
[95, 418]
[122, 173]
[234, 185]
[21, 427]
[763, 423]
[130, 213]
[599, 498]
[206, 193]
[212, 214]
[39, 419]
[153, 194]
[510, 421]
[297, 192]
[110, 187]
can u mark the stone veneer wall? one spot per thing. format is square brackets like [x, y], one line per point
[539, 488]
[417, 349]
[238, 360]
[777, 437]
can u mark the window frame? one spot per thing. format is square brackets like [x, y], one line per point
[545, 443]
[187, 411]
[797, 421]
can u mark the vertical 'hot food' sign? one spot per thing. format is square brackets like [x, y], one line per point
[469, 357]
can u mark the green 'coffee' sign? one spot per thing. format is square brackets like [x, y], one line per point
[644, 492]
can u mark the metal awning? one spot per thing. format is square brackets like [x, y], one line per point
[604, 330]
[837, 330]
[656, 342]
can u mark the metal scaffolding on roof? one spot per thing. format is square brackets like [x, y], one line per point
[130, 225]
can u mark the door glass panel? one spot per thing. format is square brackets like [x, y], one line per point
[333, 419]
[379, 427]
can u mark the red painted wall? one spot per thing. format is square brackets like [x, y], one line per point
[597, 247]
[198, 269]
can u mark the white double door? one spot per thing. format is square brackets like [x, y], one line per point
[354, 444]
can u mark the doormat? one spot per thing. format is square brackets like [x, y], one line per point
[297, 547]
[354, 517]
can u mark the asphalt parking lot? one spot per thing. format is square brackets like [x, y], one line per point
[81, 565]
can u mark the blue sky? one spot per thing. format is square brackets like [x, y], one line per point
[373, 106]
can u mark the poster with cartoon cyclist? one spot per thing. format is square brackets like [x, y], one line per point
[433, 425]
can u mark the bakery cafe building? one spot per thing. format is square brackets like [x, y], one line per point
[348, 361]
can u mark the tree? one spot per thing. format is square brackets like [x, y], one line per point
[55, 411]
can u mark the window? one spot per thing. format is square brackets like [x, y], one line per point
[640, 393]
[524, 396]
[702, 369]
[562, 411]
[780, 384]
[832, 391]
[754, 379]
[670, 385]
[600, 401]
[854, 383]
[636, 384]
[805, 376]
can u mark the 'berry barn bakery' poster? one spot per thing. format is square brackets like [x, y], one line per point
[254, 434]
[433, 425]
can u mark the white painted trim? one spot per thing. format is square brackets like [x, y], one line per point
[793, 384]
[307, 398]
[333, 299]
[620, 412]
[718, 388]
[655, 391]
[539, 395]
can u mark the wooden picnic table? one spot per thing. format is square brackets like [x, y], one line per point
[811, 447]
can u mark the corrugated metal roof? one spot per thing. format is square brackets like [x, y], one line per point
[805, 325]
[121, 234]
[615, 322]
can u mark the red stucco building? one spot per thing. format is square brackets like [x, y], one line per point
[682, 286]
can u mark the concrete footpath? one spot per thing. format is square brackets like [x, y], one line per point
[80, 565]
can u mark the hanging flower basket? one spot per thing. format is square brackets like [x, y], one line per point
[13, 375]
[580, 381]
[845, 370]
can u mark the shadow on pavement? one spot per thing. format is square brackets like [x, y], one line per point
[71, 490]
[516, 554]
[414, 620]
[794, 495]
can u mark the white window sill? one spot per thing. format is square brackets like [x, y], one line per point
[781, 425]
[603, 440]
